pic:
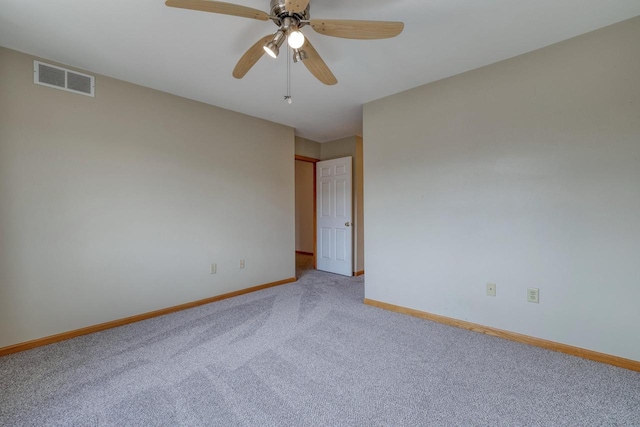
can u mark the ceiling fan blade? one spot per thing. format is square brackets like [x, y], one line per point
[363, 30]
[250, 57]
[296, 6]
[219, 7]
[317, 66]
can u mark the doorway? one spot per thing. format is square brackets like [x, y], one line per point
[305, 206]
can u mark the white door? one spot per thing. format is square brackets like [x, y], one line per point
[335, 235]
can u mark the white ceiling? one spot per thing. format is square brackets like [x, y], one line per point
[192, 54]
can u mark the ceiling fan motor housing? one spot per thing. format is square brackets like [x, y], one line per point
[279, 14]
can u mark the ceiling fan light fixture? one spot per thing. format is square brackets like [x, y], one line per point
[296, 39]
[299, 55]
[289, 16]
[273, 47]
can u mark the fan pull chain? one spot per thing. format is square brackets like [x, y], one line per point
[287, 97]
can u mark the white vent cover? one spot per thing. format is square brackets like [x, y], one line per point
[61, 78]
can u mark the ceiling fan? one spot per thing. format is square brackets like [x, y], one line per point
[290, 16]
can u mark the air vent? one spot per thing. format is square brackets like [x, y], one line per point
[62, 78]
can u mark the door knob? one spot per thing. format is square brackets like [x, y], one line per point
[347, 224]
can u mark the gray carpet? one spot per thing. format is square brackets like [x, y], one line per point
[304, 354]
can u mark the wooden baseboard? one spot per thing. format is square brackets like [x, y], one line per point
[132, 319]
[358, 273]
[633, 365]
[304, 253]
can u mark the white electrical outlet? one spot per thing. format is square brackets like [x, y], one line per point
[491, 289]
[214, 268]
[241, 263]
[533, 295]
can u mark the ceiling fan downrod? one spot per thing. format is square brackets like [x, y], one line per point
[279, 13]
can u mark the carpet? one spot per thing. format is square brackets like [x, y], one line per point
[308, 353]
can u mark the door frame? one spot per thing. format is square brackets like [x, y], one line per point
[315, 232]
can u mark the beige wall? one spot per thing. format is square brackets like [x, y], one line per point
[304, 207]
[525, 173]
[116, 205]
[338, 148]
[307, 148]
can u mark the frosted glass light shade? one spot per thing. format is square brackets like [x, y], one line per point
[296, 39]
